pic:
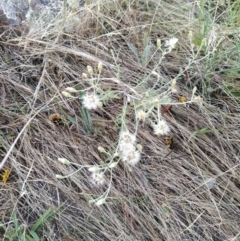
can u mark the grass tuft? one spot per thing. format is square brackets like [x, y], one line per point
[120, 118]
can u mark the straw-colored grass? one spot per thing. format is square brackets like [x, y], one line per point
[167, 195]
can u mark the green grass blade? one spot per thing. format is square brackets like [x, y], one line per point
[34, 236]
[15, 221]
[3, 226]
[87, 120]
[134, 50]
[43, 218]
[146, 55]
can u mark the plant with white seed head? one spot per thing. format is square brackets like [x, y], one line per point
[161, 128]
[91, 101]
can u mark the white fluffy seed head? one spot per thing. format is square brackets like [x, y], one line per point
[98, 178]
[91, 101]
[141, 115]
[132, 157]
[171, 43]
[126, 147]
[126, 137]
[161, 128]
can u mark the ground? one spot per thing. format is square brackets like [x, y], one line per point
[120, 121]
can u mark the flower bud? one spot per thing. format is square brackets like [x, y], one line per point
[90, 69]
[112, 165]
[59, 176]
[174, 82]
[156, 74]
[100, 105]
[204, 40]
[93, 169]
[116, 154]
[159, 44]
[84, 76]
[64, 161]
[190, 35]
[100, 201]
[71, 90]
[155, 101]
[197, 99]
[101, 149]
[66, 94]
[100, 67]
[194, 90]
[139, 147]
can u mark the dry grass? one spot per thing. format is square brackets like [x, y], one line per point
[165, 196]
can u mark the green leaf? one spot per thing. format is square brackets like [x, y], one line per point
[198, 41]
[134, 50]
[29, 238]
[72, 119]
[3, 226]
[146, 54]
[87, 120]
[165, 209]
[146, 39]
[34, 235]
[202, 132]
[14, 218]
[46, 216]
[43, 218]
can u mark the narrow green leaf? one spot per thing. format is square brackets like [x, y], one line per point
[29, 238]
[34, 235]
[3, 226]
[134, 50]
[146, 55]
[14, 218]
[146, 39]
[87, 120]
[43, 218]
[72, 119]
[202, 131]
[48, 214]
